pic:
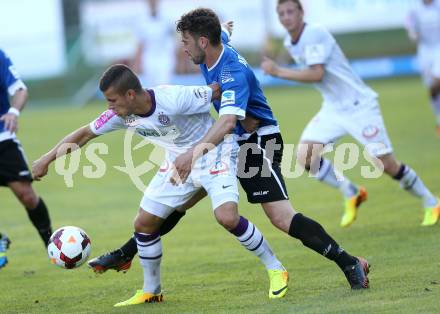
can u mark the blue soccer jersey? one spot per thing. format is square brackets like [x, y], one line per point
[241, 91]
[9, 83]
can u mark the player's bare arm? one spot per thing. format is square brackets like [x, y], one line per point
[216, 91]
[80, 137]
[312, 74]
[223, 126]
[250, 124]
[17, 104]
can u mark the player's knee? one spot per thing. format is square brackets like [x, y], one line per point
[138, 225]
[28, 198]
[390, 165]
[146, 222]
[227, 217]
[281, 217]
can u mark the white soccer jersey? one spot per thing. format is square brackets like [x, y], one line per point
[424, 20]
[157, 35]
[341, 88]
[179, 118]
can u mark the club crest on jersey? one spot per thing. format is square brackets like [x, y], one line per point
[228, 98]
[163, 119]
[315, 51]
[370, 131]
[219, 167]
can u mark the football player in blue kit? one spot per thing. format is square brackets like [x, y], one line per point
[14, 172]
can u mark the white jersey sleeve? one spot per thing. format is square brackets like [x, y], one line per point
[318, 46]
[107, 122]
[186, 100]
[411, 22]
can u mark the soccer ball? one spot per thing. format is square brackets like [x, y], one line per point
[69, 247]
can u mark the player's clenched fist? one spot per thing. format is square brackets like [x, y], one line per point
[40, 168]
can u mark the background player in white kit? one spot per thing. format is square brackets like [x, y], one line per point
[175, 118]
[424, 28]
[155, 57]
[349, 107]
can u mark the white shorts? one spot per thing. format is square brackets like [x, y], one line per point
[365, 125]
[215, 172]
[429, 61]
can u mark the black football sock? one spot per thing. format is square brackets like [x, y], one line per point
[313, 236]
[170, 222]
[130, 247]
[41, 220]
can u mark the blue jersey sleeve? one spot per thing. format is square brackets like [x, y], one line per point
[225, 37]
[235, 93]
[8, 75]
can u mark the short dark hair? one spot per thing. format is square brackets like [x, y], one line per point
[121, 78]
[297, 2]
[201, 22]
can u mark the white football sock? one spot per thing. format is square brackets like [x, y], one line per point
[327, 174]
[411, 182]
[252, 239]
[150, 255]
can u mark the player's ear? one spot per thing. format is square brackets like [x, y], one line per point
[203, 42]
[131, 94]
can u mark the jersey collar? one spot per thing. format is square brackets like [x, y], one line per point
[153, 105]
[218, 60]
[299, 36]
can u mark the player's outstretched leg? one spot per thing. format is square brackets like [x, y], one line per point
[4, 245]
[251, 238]
[313, 236]
[120, 259]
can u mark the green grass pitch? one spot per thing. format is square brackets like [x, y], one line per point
[204, 269]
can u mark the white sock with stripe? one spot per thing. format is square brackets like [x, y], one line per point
[252, 239]
[328, 174]
[150, 255]
[410, 181]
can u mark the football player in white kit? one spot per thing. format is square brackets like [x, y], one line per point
[155, 57]
[424, 28]
[349, 107]
[175, 118]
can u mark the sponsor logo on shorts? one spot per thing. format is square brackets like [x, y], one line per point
[219, 167]
[370, 131]
[260, 193]
[24, 173]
